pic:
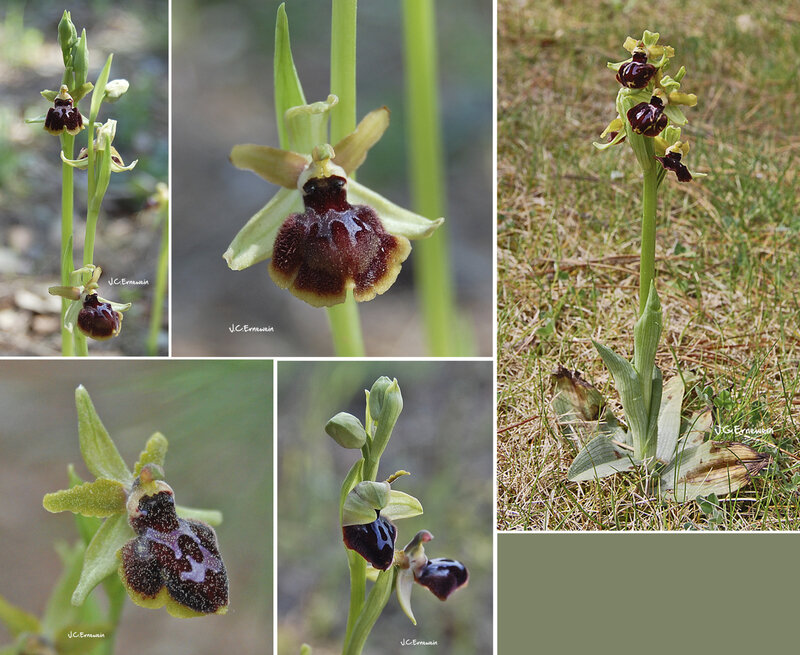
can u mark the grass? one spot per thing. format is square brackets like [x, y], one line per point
[727, 260]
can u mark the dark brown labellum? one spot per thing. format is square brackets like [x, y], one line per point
[63, 116]
[648, 118]
[333, 246]
[175, 554]
[672, 162]
[443, 576]
[373, 541]
[637, 73]
[98, 320]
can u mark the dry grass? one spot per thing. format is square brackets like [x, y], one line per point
[727, 254]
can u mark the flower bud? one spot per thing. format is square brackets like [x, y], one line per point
[80, 61]
[346, 430]
[67, 35]
[115, 89]
[98, 320]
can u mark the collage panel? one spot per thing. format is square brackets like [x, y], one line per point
[648, 350]
[340, 523]
[84, 239]
[424, 103]
[126, 492]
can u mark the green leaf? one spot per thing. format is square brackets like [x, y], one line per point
[376, 600]
[288, 90]
[99, 90]
[210, 516]
[17, 620]
[577, 404]
[669, 419]
[99, 452]
[630, 391]
[599, 459]
[101, 555]
[646, 334]
[155, 451]
[100, 498]
[694, 430]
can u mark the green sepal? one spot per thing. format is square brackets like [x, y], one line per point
[81, 92]
[155, 451]
[362, 503]
[288, 90]
[101, 498]
[210, 516]
[49, 95]
[99, 452]
[101, 555]
[395, 219]
[675, 115]
[629, 387]
[99, 91]
[17, 620]
[253, 243]
[401, 506]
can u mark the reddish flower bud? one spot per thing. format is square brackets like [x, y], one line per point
[98, 320]
[648, 118]
[443, 576]
[373, 541]
[637, 73]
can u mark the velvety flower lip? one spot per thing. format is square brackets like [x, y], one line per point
[648, 118]
[98, 320]
[172, 561]
[443, 576]
[637, 73]
[671, 161]
[373, 541]
[334, 246]
[63, 116]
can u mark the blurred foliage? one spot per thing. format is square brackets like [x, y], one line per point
[443, 437]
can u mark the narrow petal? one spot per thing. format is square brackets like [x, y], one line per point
[405, 583]
[101, 559]
[280, 167]
[395, 219]
[254, 241]
[352, 150]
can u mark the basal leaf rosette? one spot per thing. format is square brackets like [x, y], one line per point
[165, 555]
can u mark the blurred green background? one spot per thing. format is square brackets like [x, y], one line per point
[217, 416]
[30, 167]
[222, 94]
[444, 438]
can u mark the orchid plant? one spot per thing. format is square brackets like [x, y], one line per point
[673, 453]
[99, 158]
[368, 510]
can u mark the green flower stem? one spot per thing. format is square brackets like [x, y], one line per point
[432, 259]
[358, 590]
[161, 284]
[67, 263]
[648, 251]
[343, 318]
[346, 328]
[378, 597]
[81, 345]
